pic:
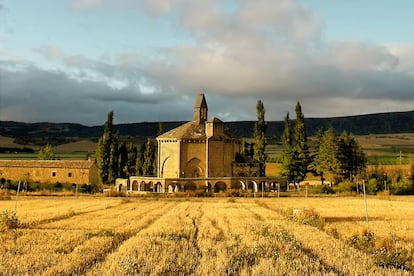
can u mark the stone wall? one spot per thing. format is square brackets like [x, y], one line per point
[49, 171]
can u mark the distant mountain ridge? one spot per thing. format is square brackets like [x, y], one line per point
[379, 123]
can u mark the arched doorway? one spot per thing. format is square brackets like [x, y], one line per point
[239, 185]
[193, 169]
[158, 188]
[135, 185]
[220, 186]
[190, 187]
[252, 186]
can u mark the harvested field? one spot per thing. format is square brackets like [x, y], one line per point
[185, 236]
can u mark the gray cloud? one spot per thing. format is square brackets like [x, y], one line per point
[259, 50]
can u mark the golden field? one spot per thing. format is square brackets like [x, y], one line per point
[206, 236]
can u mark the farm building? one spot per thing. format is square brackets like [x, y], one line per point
[52, 171]
[199, 155]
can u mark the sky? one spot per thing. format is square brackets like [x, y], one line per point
[76, 60]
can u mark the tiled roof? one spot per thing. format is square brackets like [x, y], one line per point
[73, 164]
[190, 130]
[193, 130]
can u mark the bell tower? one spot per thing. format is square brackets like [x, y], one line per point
[200, 109]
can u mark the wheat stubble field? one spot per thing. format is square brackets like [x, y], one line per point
[217, 236]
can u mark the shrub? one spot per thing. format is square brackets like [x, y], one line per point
[4, 195]
[372, 186]
[8, 220]
[321, 189]
[346, 187]
[404, 187]
[112, 193]
[203, 194]
[385, 251]
[305, 216]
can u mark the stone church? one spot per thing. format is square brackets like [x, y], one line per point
[199, 155]
[200, 148]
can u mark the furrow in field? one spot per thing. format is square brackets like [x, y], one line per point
[332, 253]
[102, 243]
[168, 247]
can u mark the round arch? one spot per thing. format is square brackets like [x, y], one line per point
[135, 185]
[252, 185]
[220, 186]
[190, 186]
[158, 187]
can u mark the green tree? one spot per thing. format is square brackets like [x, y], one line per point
[351, 157]
[123, 160]
[287, 150]
[326, 161]
[149, 156]
[103, 150]
[132, 154]
[140, 160]
[300, 148]
[46, 153]
[260, 138]
[114, 158]
[161, 129]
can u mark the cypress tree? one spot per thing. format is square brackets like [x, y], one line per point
[103, 149]
[114, 159]
[301, 149]
[132, 154]
[123, 160]
[149, 156]
[140, 160]
[260, 138]
[351, 156]
[287, 150]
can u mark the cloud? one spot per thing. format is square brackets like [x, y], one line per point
[237, 53]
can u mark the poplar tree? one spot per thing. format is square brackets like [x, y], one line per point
[260, 138]
[103, 149]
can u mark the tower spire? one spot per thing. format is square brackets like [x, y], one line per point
[200, 109]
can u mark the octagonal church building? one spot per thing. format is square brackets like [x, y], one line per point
[199, 155]
[200, 148]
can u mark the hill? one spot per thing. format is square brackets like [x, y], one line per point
[60, 133]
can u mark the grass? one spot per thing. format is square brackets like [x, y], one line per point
[93, 235]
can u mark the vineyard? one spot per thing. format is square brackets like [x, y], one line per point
[211, 236]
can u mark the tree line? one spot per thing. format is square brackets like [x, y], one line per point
[117, 159]
[333, 157]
